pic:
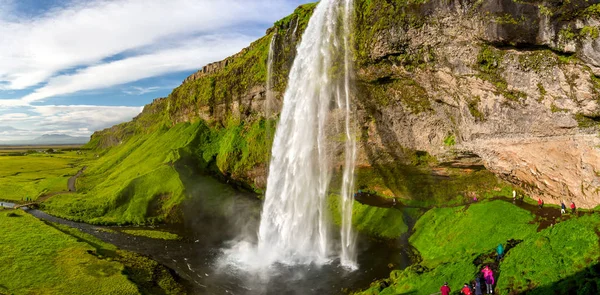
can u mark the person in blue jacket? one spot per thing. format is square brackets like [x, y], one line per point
[500, 251]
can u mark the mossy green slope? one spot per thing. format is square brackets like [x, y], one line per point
[385, 223]
[38, 259]
[444, 233]
[552, 255]
[450, 239]
[561, 259]
[134, 182]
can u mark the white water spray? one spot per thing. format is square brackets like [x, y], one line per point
[295, 228]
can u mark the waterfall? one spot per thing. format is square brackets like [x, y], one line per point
[269, 94]
[295, 226]
[348, 255]
[269, 90]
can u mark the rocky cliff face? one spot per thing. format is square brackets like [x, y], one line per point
[499, 79]
[511, 83]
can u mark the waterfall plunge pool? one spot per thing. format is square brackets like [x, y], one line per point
[214, 215]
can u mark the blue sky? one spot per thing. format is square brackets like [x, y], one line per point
[79, 66]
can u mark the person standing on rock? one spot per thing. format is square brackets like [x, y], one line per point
[563, 208]
[573, 207]
[445, 290]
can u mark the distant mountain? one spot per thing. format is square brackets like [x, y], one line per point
[8, 128]
[49, 139]
[61, 139]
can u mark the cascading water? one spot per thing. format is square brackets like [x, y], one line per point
[295, 226]
[269, 94]
[269, 90]
[294, 223]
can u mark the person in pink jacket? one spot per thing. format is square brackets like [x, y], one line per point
[488, 277]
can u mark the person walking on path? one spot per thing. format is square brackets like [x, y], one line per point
[500, 252]
[478, 286]
[540, 203]
[514, 196]
[488, 276]
[445, 290]
[466, 290]
[563, 208]
[573, 207]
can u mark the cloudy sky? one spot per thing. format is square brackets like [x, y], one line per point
[75, 66]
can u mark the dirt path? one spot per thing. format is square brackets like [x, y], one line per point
[73, 179]
[70, 186]
[544, 217]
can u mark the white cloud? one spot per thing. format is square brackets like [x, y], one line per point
[33, 50]
[134, 90]
[75, 120]
[186, 57]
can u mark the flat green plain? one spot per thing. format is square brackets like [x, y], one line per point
[36, 258]
[35, 174]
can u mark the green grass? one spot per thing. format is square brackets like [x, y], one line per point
[380, 222]
[35, 174]
[134, 182]
[149, 276]
[561, 259]
[38, 259]
[153, 234]
[551, 255]
[441, 233]
[418, 280]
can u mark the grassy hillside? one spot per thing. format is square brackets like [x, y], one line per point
[133, 182]
[455, 243]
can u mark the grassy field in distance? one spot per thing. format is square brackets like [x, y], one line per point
[32, 174]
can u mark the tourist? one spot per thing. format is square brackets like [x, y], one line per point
[466, 290]
[488, 276]
[489, 283]
[499, 251]
[478, 286]
[514, 197]
[563, 208]
[572, 207]
[445, 290]
[540, 203]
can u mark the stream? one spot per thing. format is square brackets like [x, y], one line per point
[215, 216]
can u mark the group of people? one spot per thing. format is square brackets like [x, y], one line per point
[475, 288]
[563, 208]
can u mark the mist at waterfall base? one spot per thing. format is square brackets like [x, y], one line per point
[295, 226]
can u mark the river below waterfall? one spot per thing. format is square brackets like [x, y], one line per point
[214, 215]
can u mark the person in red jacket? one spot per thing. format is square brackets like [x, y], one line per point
[445, 289]
[572, 208]
[466, 290]
[540, 203]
